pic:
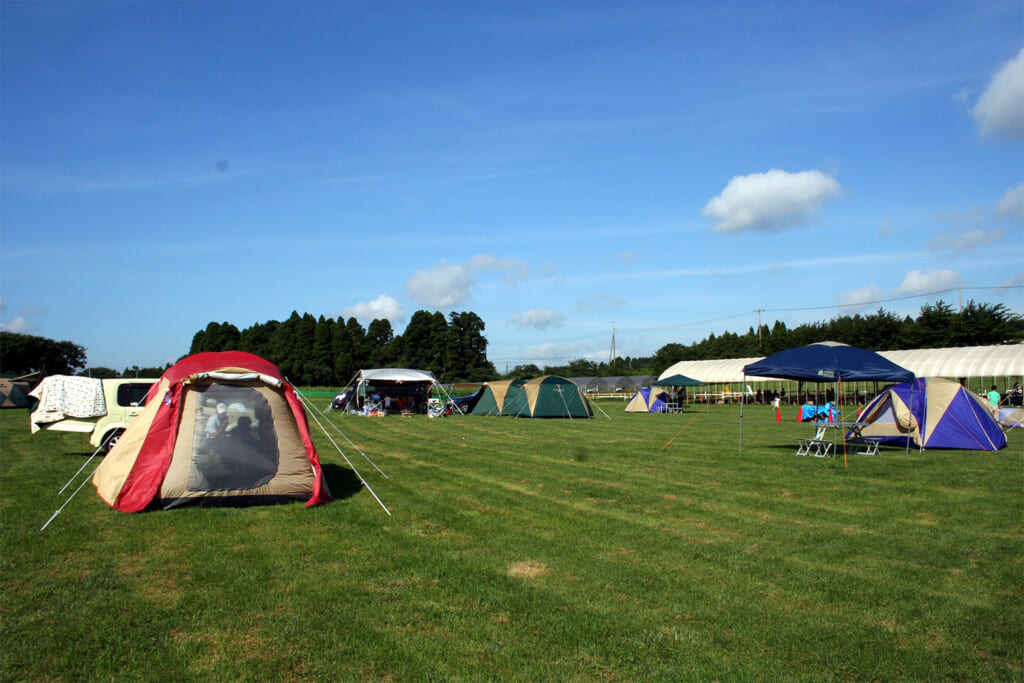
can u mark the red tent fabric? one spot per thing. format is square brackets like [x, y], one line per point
[131, 477]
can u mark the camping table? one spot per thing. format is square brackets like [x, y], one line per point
[671, 407]
[862, 445]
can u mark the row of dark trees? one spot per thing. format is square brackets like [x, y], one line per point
[21, 354]
[327, 352]
[937, 326]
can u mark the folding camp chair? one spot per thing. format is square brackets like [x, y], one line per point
[817, 445]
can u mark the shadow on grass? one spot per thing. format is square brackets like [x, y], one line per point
[342, 481]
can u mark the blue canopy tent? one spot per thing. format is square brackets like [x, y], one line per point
[826, 362]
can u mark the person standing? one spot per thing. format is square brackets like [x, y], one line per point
[993, 396]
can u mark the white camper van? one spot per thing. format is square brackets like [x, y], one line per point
[103, 408]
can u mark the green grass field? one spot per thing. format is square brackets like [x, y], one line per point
[524, 550]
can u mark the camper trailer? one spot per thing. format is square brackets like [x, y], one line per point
[103, 408]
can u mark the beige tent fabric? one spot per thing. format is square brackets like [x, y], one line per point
[500, 390]
[292, 471]
[117, 464]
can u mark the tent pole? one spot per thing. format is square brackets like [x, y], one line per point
[742, 396]
[308, 403]
[70, 498]
[354, 470]
[599, 408]
[910, 421]
[840, 382]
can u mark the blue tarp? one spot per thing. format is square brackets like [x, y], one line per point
[811, 412]
[828, 362]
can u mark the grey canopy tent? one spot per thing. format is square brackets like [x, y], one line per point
[826, 362]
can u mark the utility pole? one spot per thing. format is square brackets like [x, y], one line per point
[611, 352]
[759, 311]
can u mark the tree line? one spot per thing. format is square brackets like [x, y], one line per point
[937, 325]
[328, 352]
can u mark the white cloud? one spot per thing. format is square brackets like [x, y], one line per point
[449, 284]
[537, 318]
[861, 298]
[601, 302]
[770, 202]
[19, 325]
[383, 307]
[1000, 110]
[920, 282]
[972, 239]
[1012, 204]
[551, 353]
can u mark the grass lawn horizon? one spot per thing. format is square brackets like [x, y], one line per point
[641, 547]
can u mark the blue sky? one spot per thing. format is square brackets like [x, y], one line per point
[559, 168]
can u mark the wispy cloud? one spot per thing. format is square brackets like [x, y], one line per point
[552, 353]
[999, 111]
[968, 241]
[601, 302]
[1012, 204]
[537, 318]
[1016, 281]
[861, 298]
[770, 202]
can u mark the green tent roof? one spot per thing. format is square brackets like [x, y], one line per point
[677, 381]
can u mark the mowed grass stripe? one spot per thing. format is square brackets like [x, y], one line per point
[533, 550]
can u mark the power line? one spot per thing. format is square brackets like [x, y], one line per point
[758, 311]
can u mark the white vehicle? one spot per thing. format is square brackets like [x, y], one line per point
[102, 408]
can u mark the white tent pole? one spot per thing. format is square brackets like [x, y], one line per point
[335, 443]
[599, 408]
[368, 488]
[741, 413]
[561, 395]
[70, 498]
[920, 436]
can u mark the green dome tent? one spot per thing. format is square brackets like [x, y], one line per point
[492, 397]
[548, 396]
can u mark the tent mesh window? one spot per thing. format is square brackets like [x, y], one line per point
[235, 443]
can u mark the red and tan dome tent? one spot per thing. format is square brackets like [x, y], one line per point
[218, 429]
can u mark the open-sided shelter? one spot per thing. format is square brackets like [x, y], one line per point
[219, 428]
[648, 400]
[826, 362]
[398, 388]
[932, 413]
